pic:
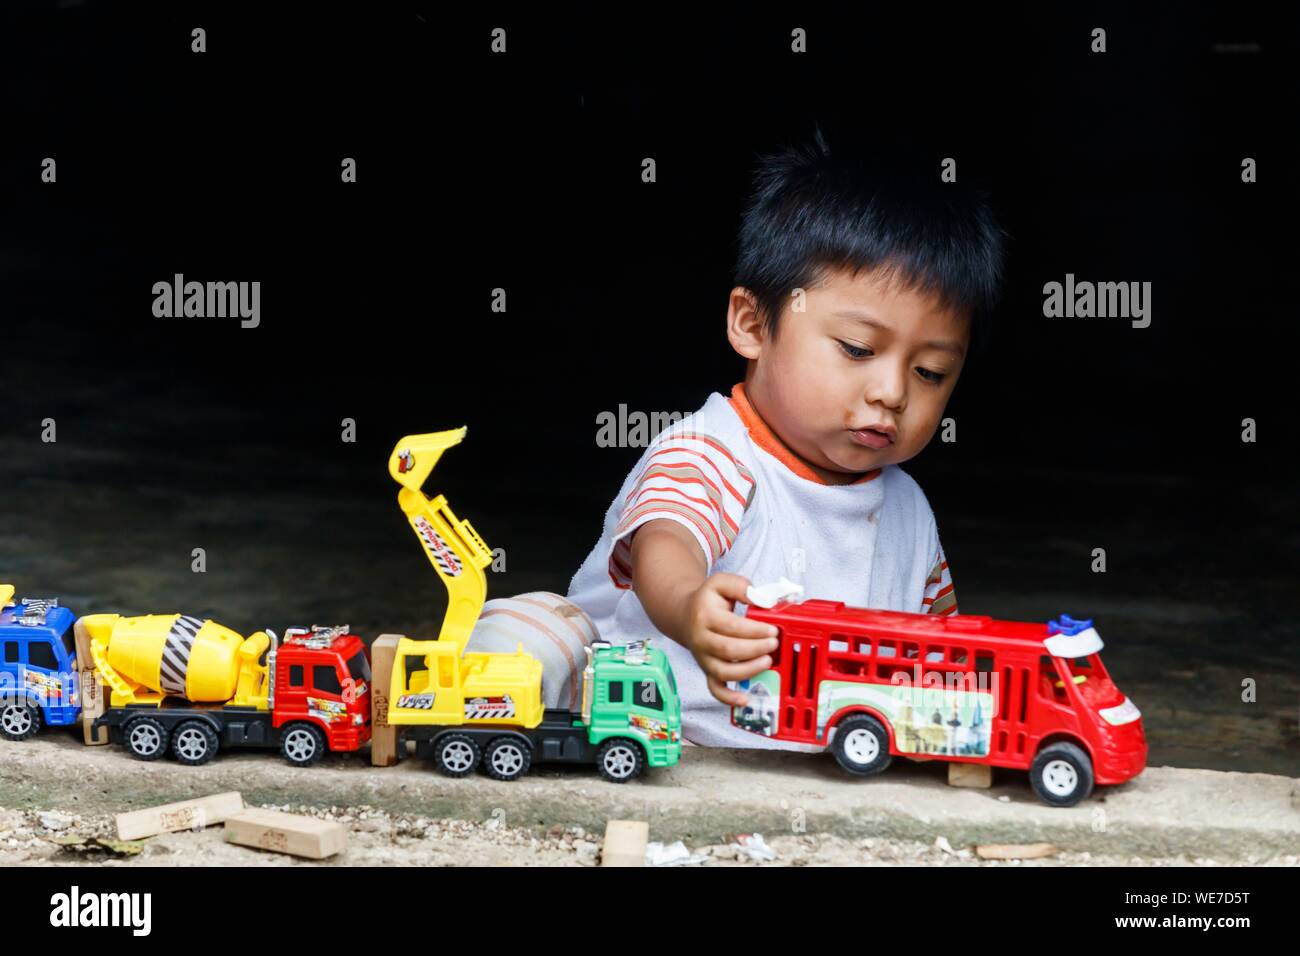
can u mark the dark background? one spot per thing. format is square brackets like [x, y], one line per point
[522, 171]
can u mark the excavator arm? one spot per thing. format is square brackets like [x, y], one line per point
[451, 544]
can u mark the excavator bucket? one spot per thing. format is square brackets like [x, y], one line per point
[415, 455]
[451, 544]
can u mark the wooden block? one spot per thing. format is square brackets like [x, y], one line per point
[970, 775]
[92, 690]
[625, 842]
[287, 833]
[384, 749]
[202, 812]
[1015, 851]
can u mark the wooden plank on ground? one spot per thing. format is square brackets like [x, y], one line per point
[625, 843]
[287, 833]
[184, 815]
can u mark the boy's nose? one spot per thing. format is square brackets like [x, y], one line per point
[887, 387]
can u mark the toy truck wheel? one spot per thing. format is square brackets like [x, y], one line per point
[146, 738]
[1061, 775]
[861, 745]
[20, 720]
[194, 743]
[303, 744]
[507, 758]
[456, 755]
[619, 760]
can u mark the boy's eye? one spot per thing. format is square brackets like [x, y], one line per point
[932, 377]
[854, 351]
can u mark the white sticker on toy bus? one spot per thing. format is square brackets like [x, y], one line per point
[926, 720]
[326, 710]
[759, 714]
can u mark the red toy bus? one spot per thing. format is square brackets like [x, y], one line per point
[873, 684]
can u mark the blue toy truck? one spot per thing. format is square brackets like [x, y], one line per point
[38, 665]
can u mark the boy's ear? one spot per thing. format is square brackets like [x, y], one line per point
[744, 325]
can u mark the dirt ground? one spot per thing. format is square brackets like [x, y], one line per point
[378, 838]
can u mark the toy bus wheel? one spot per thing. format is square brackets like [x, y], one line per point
[861, 745]
[620, 760]
[1061, 775]
[146, 738]
[303, 745]
[456, 754]
[20, 720]
[507, 758]
[194, 743]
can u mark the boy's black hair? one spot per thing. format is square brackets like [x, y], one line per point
[812, 209]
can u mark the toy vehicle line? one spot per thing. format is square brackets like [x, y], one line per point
[867, 684]
[874, 684]
[189, 686]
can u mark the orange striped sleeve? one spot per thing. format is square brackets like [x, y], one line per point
[939, 595]
[691, 479]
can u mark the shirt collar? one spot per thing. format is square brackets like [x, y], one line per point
[766, 439]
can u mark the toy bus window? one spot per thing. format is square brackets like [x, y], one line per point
[41, 654]
[864, 647]
[1049, 679]
[886, 649]
[615, 691]
[647, 695]
[911, 651]
[934, 654]
[838, 660]
[446, 670]
[325, 679]
[958, 655]
[11, 652]
[295, 675]
[984, 662]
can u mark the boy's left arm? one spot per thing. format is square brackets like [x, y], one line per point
[939, 596]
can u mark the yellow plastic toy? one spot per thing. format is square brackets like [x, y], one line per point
[457, 687]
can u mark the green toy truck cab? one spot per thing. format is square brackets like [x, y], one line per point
[628, 691]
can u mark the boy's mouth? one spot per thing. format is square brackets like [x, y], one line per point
[876, 437]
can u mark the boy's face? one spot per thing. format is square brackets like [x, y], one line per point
[860, 378]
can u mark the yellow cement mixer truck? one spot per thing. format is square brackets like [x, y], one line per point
[191, 686]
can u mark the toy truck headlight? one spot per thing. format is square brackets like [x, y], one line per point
[358, 720]
[1124, 713]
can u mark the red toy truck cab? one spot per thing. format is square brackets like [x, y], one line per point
[322, 676]
[962, 688]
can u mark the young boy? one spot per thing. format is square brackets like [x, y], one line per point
[853, 307]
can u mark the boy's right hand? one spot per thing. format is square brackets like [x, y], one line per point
[727, 646]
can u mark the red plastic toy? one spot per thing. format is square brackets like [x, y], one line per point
[961, 688]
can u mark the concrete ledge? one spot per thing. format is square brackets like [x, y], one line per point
[1165, 812]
